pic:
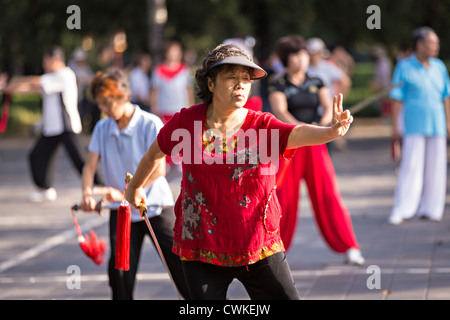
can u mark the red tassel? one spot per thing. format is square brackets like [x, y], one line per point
[122, 257]
[98, 249]
[93, 247]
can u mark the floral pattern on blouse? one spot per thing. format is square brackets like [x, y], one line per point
[246, 163]
[194, 222]
[210, 211]
[244, 201]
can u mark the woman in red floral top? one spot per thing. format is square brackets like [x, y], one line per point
[227, 213]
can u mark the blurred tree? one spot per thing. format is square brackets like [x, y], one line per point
[25, 26]
[204, 23]
[29, 26]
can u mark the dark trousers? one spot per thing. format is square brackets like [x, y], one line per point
[122, 282]
[42, 157]
[267, 279]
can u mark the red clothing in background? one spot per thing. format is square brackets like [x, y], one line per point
[313, 164]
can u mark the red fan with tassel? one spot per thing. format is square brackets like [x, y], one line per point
[93, 247]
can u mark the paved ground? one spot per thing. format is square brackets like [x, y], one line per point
[38, 243]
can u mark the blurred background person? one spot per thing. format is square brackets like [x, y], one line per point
[60, 121]
[336, 80]
[333, 77]
[342, 59]
[172, 86]
[89, 113]
[295, 98]
[382, 77]
[424, 99]
[140, 81]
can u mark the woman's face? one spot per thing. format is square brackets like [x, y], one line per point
[299, 61]
[232, 86]
[112, 107]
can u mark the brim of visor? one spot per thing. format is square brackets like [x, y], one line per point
[258, 72]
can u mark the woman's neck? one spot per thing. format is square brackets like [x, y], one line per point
[126, 117]
[172, 64]
[225, 119]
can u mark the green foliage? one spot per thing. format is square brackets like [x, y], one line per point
[24, 112]
[28, 26]
[363, 74]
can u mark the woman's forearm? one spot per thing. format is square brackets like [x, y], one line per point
[326, 103]
[309, 135]
[134, 194]
[396, 107]
[160, 170]
[145, 168]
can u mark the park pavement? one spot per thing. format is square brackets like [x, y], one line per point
[39, 250]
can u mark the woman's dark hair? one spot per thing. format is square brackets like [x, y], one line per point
[112, 82]
[288, 45]
[203, 73]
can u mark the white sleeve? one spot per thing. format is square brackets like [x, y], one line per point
[51, 83]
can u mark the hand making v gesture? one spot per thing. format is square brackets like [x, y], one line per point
[308, 135]
[340, 122]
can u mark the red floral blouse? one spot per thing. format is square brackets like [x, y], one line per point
[227, 212]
